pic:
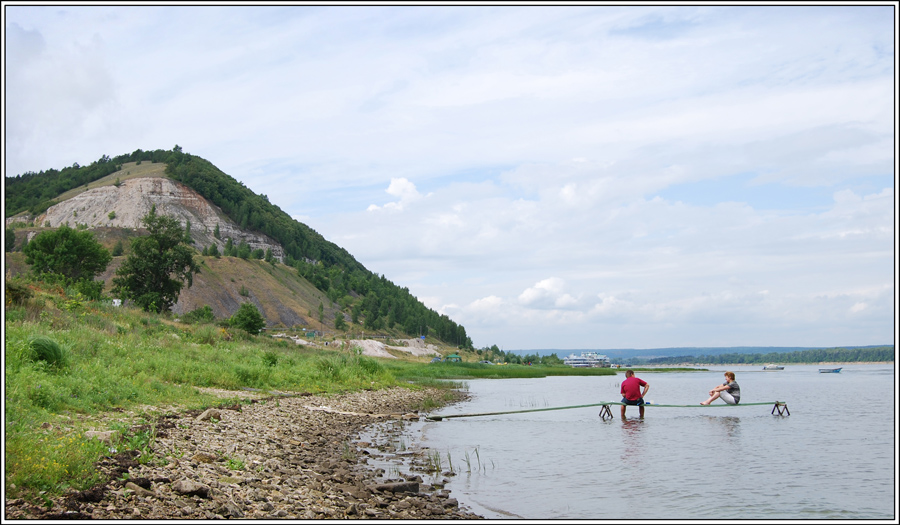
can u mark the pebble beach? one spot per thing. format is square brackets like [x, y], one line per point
[273, 457]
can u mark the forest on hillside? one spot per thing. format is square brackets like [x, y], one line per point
[35, 192]
[370, 299]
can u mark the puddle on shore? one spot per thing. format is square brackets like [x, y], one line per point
[392, 450]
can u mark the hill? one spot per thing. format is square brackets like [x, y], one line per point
[110, 196]
[735, 354]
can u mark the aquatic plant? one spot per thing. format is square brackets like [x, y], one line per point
[433, 462]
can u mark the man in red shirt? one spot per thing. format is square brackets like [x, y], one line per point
[631, 392]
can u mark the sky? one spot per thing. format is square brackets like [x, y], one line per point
[549, 177]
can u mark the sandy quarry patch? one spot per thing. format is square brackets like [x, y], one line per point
[418, 347]
[294, 338]
[371, 347]
[374, 348]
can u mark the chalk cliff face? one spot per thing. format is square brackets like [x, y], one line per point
[283, 297]
[125, 205]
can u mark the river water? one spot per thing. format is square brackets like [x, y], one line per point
[832, 458]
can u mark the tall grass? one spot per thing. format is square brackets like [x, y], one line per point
[49, 351]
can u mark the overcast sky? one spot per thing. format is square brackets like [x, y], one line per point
[548, 177]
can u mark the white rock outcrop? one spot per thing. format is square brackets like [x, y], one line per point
[124, 207]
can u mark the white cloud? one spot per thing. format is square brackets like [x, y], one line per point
[404, 190]
[529, 155]
[858, 307]
[547, 294]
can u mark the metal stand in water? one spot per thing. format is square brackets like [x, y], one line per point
[605, 412]
[780, 406]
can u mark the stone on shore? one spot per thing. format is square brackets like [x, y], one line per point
[408, 486]
[191, 488]
[212, 413]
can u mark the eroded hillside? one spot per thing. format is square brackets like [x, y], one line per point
[122, 199]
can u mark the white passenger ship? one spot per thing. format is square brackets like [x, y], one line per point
[587, 360]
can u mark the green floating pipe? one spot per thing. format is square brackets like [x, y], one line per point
[439, 418]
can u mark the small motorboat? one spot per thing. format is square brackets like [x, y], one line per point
[773, 367]
[829, 370]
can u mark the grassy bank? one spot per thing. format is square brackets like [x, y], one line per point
[73, 365]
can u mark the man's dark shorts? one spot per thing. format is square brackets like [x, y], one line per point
[635, 402]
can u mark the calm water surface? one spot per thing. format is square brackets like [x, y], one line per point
[832, 458]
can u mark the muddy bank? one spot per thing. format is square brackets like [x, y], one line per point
[272, 458]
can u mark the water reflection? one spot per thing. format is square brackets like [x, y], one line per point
[632, 437]
[731, 425]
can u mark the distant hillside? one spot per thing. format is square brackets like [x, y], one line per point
[111, 195]
[871, 354]
[651, 353]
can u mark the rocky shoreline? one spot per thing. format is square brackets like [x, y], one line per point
[278, 457]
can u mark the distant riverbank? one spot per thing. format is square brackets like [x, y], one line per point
[717, 365]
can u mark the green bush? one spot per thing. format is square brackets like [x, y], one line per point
[270, 357]
[73, 254]
[91, 290]
[207, 335]
[248, 318]
[47, 350]
[204, 314]
[17, 292]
